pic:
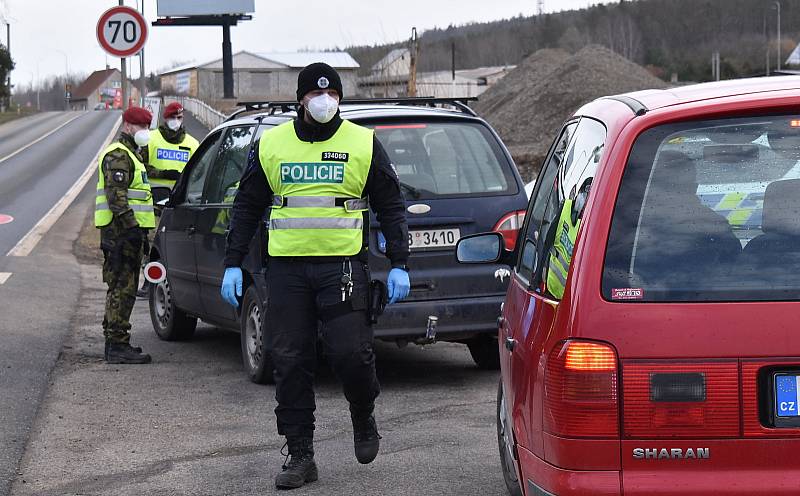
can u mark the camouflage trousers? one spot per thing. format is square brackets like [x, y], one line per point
[122, 252]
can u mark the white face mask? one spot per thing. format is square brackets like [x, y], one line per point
[142, 137]
[322, 108]
[174, 124]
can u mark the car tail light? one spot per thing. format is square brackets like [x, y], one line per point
[581, 397]
[680, 400]
[509, 226]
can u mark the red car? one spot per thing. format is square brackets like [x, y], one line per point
[650, 336]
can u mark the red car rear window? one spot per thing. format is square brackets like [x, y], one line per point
[709, 211]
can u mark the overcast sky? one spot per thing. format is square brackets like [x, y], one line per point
[49, 36]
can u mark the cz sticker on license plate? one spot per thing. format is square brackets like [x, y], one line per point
[787, 387]
[433, 239]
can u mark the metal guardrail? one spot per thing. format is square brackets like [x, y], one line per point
[202, 111]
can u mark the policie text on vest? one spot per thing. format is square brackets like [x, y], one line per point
[319, 172]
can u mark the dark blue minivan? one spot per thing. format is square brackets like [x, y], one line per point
[457, 177]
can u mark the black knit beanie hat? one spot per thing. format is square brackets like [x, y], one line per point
[318, 76]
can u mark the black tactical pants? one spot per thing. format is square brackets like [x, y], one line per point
[301, 294]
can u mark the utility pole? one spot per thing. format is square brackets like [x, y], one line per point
[142, 85]
[779, 35]
[124, 71]
[412, 72]
[8, 47]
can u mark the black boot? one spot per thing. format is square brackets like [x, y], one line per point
[366, 439]
[301, 468]
[124, 353]
[144, 291]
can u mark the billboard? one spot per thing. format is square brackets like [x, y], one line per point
[181, 8]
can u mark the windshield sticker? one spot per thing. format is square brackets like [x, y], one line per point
[627, 294]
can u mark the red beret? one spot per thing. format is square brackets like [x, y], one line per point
[137, 116]
[172, 109]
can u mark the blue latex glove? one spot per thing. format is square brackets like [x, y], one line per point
[398, 285]
[232, 286]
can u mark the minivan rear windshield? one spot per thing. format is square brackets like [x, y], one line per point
[709, 211]
[444, 159]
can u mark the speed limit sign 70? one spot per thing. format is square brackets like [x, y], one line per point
[122, 31]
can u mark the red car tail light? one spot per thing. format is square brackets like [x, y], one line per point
[680, 400]
[581, 397]
[509, 226]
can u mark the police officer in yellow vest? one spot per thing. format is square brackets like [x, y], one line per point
[569, 221]
[166, 154]
[124, 214]
[169, 149]
[319, 174]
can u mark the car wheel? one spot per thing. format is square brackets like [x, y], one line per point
[505, 441]
[255, 357]
[484, 352]
[170, 322]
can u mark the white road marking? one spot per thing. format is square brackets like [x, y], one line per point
[29, 241]
[40, 138]
[4, 277]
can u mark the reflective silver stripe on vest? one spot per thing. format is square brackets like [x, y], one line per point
[138, 194]
[135, 208]
[356, 204]
[318, 202]
[135, 194]
[316, 223]
[561, 277]
[562, 260]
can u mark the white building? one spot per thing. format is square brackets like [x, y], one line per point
[256, 76]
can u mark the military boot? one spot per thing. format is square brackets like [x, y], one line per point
[366, 439]
[124, 353]
[301, 467]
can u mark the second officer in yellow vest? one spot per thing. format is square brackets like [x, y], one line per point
[319, 174]
[169, 149]
[124, 214]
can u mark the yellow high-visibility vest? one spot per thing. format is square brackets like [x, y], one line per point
[164, 155]
[561, 252]
[318, 187]
[140, 199]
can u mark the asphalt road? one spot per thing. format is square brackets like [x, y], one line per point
[191, 423]
[40, 291]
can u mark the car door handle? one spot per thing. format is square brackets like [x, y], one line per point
[510, 343]
[190, 230]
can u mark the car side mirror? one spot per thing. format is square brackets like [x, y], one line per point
[483, 248]
[160, 194]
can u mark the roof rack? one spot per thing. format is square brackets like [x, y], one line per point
[461, 103]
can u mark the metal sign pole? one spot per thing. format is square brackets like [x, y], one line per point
[142, 84]
[124, 70]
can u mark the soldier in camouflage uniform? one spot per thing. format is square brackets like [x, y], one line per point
[124, 214]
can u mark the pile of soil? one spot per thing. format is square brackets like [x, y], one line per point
[528, 106]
